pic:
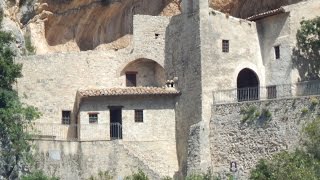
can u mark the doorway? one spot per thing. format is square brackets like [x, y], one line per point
[115, 122]
[247, 85]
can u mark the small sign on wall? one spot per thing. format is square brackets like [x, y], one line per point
[55, 155]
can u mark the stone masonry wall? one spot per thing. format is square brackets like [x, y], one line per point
[80, 160]
[246, 143]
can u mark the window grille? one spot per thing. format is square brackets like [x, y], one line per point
[93, 117]
[272, 92]
[66, 117]
[138, 115]
[225, 46]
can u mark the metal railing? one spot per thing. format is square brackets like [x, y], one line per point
[75, 132]
[267, 92]
[115, 131]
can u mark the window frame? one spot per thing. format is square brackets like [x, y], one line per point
[66, 119]
[225, 46]
[277, 52]
[129, 83]
[138, 115]
[96, 118]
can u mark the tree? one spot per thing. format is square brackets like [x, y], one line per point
[14, 115]
[306, 56]
[298, 165]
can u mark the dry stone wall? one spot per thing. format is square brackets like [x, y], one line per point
[233, 140]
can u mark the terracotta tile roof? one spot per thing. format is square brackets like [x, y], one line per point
[266, 14]
[127, 91]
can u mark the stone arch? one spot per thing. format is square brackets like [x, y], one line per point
[248, 85]
[148, 72]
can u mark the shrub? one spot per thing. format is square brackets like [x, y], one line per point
[102, 176]
[30, 48]
[249, 114]
[304, 111]
[294, 166]
[314, 101]
[140, 175]
[312, 143]
[38, 175]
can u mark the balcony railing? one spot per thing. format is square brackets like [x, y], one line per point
[267, 92]
[74, 132]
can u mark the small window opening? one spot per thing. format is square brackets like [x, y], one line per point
[277, 52]
[66, 117]
[131, 79]
[138, 115]
[225, 46]
[156, 35]
[272, 92]
[93, 118]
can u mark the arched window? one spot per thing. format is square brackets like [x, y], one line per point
[247, 85]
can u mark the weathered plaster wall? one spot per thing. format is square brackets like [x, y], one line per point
[246, 143]
[80, 160]
[149, 35]
[50, 81]
[158, 117]
[183, 63]
[149, 73]
[244, 51]
[280, 30]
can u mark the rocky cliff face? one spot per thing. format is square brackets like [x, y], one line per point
[76, 25]
[247, 8]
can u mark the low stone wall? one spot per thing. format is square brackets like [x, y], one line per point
[277, 126]
[80, 160]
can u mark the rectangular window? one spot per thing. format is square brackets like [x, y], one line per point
[66, 117]
[225, 46]
[138, 115]
[93, 118]
[272, 92]
[277, 52]
[131, 79]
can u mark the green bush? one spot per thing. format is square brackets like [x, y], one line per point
[30, 48]
[204, 176]
[294, 166]
[140, 175]
[102, 175]
[312, 141]
[38, 175]
[249, 114]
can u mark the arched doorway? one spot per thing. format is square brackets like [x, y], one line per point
[247, 85]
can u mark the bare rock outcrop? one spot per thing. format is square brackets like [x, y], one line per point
[78, 25]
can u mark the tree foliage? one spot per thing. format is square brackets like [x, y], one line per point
[298, 165]
[306, 56]
[14, 115]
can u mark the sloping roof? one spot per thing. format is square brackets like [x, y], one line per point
[127, 91]
[266, 14]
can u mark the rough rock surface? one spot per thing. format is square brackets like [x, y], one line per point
[77, 25]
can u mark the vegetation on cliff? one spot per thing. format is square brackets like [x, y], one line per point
[14, 115]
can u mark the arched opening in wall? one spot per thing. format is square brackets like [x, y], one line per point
[247, 85]
[144, 73]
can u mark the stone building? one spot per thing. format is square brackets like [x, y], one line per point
[156, 97]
